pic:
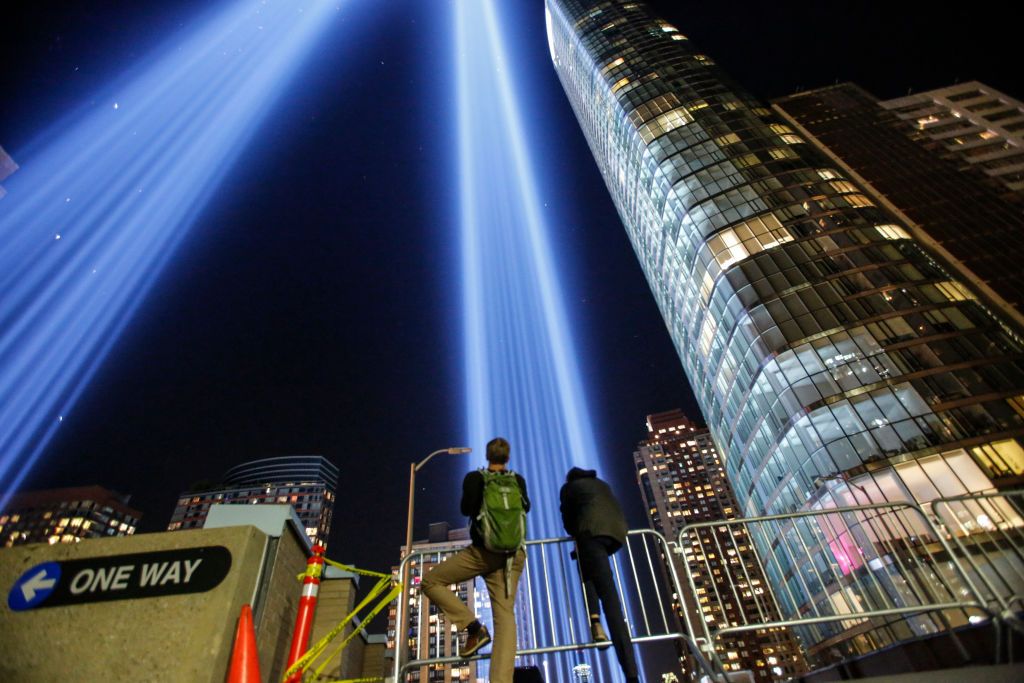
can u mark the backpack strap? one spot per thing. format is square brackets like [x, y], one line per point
[508, 574]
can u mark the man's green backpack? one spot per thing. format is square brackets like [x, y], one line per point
[502, 518]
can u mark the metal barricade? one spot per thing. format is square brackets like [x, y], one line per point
[987, 532]
[555, 618]
[858, 578]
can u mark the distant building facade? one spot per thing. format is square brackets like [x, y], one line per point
[66, 516]
[309, 483]
[683, 481]
[928, 165]
[974, 123]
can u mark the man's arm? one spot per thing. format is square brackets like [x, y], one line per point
[522, 489]
[568, 509]
[472, 494]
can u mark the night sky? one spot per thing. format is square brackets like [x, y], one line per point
[315, 309]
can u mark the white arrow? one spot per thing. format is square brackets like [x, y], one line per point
[38, 582]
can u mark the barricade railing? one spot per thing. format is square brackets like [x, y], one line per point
[874, 574]
[987, 532]
[556, 616]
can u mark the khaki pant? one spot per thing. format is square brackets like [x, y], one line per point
[467, 564]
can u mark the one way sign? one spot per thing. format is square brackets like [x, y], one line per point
[34, 586]
[120, 577]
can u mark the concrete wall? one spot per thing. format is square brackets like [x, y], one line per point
[170, 638]
[375, 660]
[337, 598]
[275, 613]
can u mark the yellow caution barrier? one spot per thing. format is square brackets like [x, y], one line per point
[380, 590]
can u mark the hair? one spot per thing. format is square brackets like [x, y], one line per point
[497, 451]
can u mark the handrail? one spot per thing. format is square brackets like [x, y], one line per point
[825, 572]
[990, 541]
[538, 549]
[841, 565]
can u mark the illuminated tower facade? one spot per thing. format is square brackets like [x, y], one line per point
[822, 341]
[309, 483]
[683, 481]
[930, 167]
[66, 516]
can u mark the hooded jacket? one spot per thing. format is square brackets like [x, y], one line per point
[590, 508]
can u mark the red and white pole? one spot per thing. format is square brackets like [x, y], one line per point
[307, 608]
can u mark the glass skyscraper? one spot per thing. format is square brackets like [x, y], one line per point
[836, 361]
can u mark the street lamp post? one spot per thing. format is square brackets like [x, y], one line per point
[415, 467]
[400, 639]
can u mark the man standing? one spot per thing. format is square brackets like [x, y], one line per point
[496, 502]
[593, 517]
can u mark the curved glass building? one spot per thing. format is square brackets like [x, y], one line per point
[836, 361]
[309, 483]
[286, 469]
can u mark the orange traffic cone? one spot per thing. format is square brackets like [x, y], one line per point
[245, 659]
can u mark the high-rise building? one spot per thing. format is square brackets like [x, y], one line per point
[955, 209]
[822, 340]
[425, 618]
[66, 516]
[7, 167]
[973, 123]
[683, 481]
[309, 483]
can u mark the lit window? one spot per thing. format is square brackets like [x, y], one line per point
[1003, 458]
[843, 186]
[828, 174]
[954, 291]
[858, 200]
[782, 153]
[707, 334]
[612, 64]
[664, 123]
[750, 237]
[619, 84]
[729, 139]
[892, 232]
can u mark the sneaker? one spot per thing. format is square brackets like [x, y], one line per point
[598, 634]
[475, 641]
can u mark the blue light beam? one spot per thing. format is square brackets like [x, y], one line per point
[97, 211]
[522, 378]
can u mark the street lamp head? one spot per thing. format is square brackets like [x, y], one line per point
[457, 450]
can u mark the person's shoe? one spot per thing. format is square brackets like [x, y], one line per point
[475, 641]
[598, 634]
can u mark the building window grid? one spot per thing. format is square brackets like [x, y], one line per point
[916, 308]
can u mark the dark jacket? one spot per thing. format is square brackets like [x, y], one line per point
[473, 498]
[589, 507]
